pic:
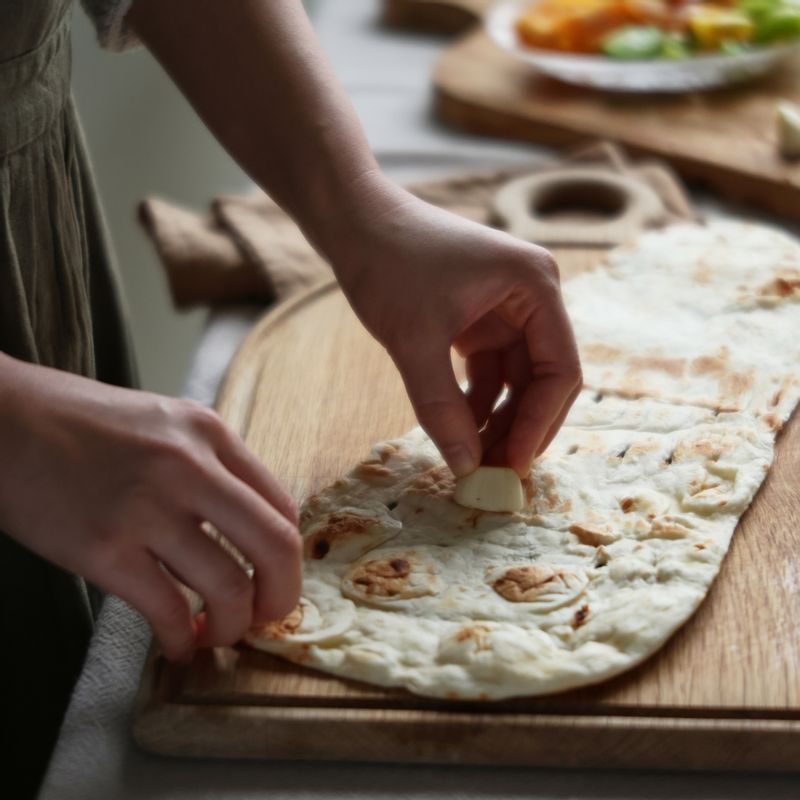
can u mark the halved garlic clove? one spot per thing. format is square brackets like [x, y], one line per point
[490, 489]
[787, 118]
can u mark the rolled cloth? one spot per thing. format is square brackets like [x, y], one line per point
[246, 249]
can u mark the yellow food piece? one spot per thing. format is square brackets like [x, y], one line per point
[712, 25]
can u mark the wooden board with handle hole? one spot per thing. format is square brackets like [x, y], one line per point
[310, 392]
[725, 139]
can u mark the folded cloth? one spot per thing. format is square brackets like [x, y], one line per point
[247, 250]
[271, 243]
[203, 263]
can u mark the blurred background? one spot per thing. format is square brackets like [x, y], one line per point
[144, 139]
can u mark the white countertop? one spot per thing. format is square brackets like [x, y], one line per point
[387, 76]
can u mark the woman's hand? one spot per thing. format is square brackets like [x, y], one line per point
[422, 280]
[114, 485]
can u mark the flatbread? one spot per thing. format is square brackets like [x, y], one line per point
[690, 346]
[702, 315]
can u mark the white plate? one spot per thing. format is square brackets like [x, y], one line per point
[662, 75]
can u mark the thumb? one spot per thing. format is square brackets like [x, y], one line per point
[441, 406]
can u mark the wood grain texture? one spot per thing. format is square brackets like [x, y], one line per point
[724, 138]
[310, 392]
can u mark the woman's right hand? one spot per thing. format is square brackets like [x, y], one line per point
[114, 485]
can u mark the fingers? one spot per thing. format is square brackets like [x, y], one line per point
[238, 459]
[556, 426]
[440, 406]
[485, 376]
[494, 437]
[203, 565]
[266, 538]
[490, 332]
[516, 375]
[555, 377]
[148, 588]
[537, 412]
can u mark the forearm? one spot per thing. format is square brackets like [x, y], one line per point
[15, 376]
[256, 74]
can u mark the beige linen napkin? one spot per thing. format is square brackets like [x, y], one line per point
[248, 250]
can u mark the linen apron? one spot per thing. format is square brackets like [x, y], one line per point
[59, 306]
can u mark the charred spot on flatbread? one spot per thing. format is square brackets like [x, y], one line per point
[346, 535]
[396, 576]
[540, 583]
[373, 472]
[281, 628]
[656, 363]
[627, 504]
[666, 528]
[593, 534]
[523, 584]
[783, 286]
[600, 352]
[705, 448]
[436, 482]
[580, 616]
[475, 632]
[710, 365]
[733, 385]
[465, 644]
[541, 496]
[337, 529]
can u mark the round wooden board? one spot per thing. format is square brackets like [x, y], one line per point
[724, 138]
[310, 392]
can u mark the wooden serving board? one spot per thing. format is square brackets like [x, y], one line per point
[725, 138]
[310, 392]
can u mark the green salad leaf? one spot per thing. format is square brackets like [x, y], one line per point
[773, 20]
[675, 47]
[634, 42]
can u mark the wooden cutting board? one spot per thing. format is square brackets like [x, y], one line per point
[310, 392]
[725, 138]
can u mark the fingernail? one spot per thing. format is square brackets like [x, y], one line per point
[460, 460]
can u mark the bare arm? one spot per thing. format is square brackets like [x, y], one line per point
[420, 279]
[113, 484]
[256, 75]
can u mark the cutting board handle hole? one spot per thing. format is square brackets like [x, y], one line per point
[579, 200]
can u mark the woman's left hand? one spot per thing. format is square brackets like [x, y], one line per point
[423, 280]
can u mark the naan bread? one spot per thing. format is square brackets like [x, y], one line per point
[690, 340]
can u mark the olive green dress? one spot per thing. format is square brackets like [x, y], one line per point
[59, 306]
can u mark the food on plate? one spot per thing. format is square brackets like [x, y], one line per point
[651, 29]
[714, 26]
[637, 42]
[690, 352]
[577, 26]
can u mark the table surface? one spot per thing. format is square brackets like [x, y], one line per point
[387, 77]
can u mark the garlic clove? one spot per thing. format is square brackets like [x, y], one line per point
[490, 489]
